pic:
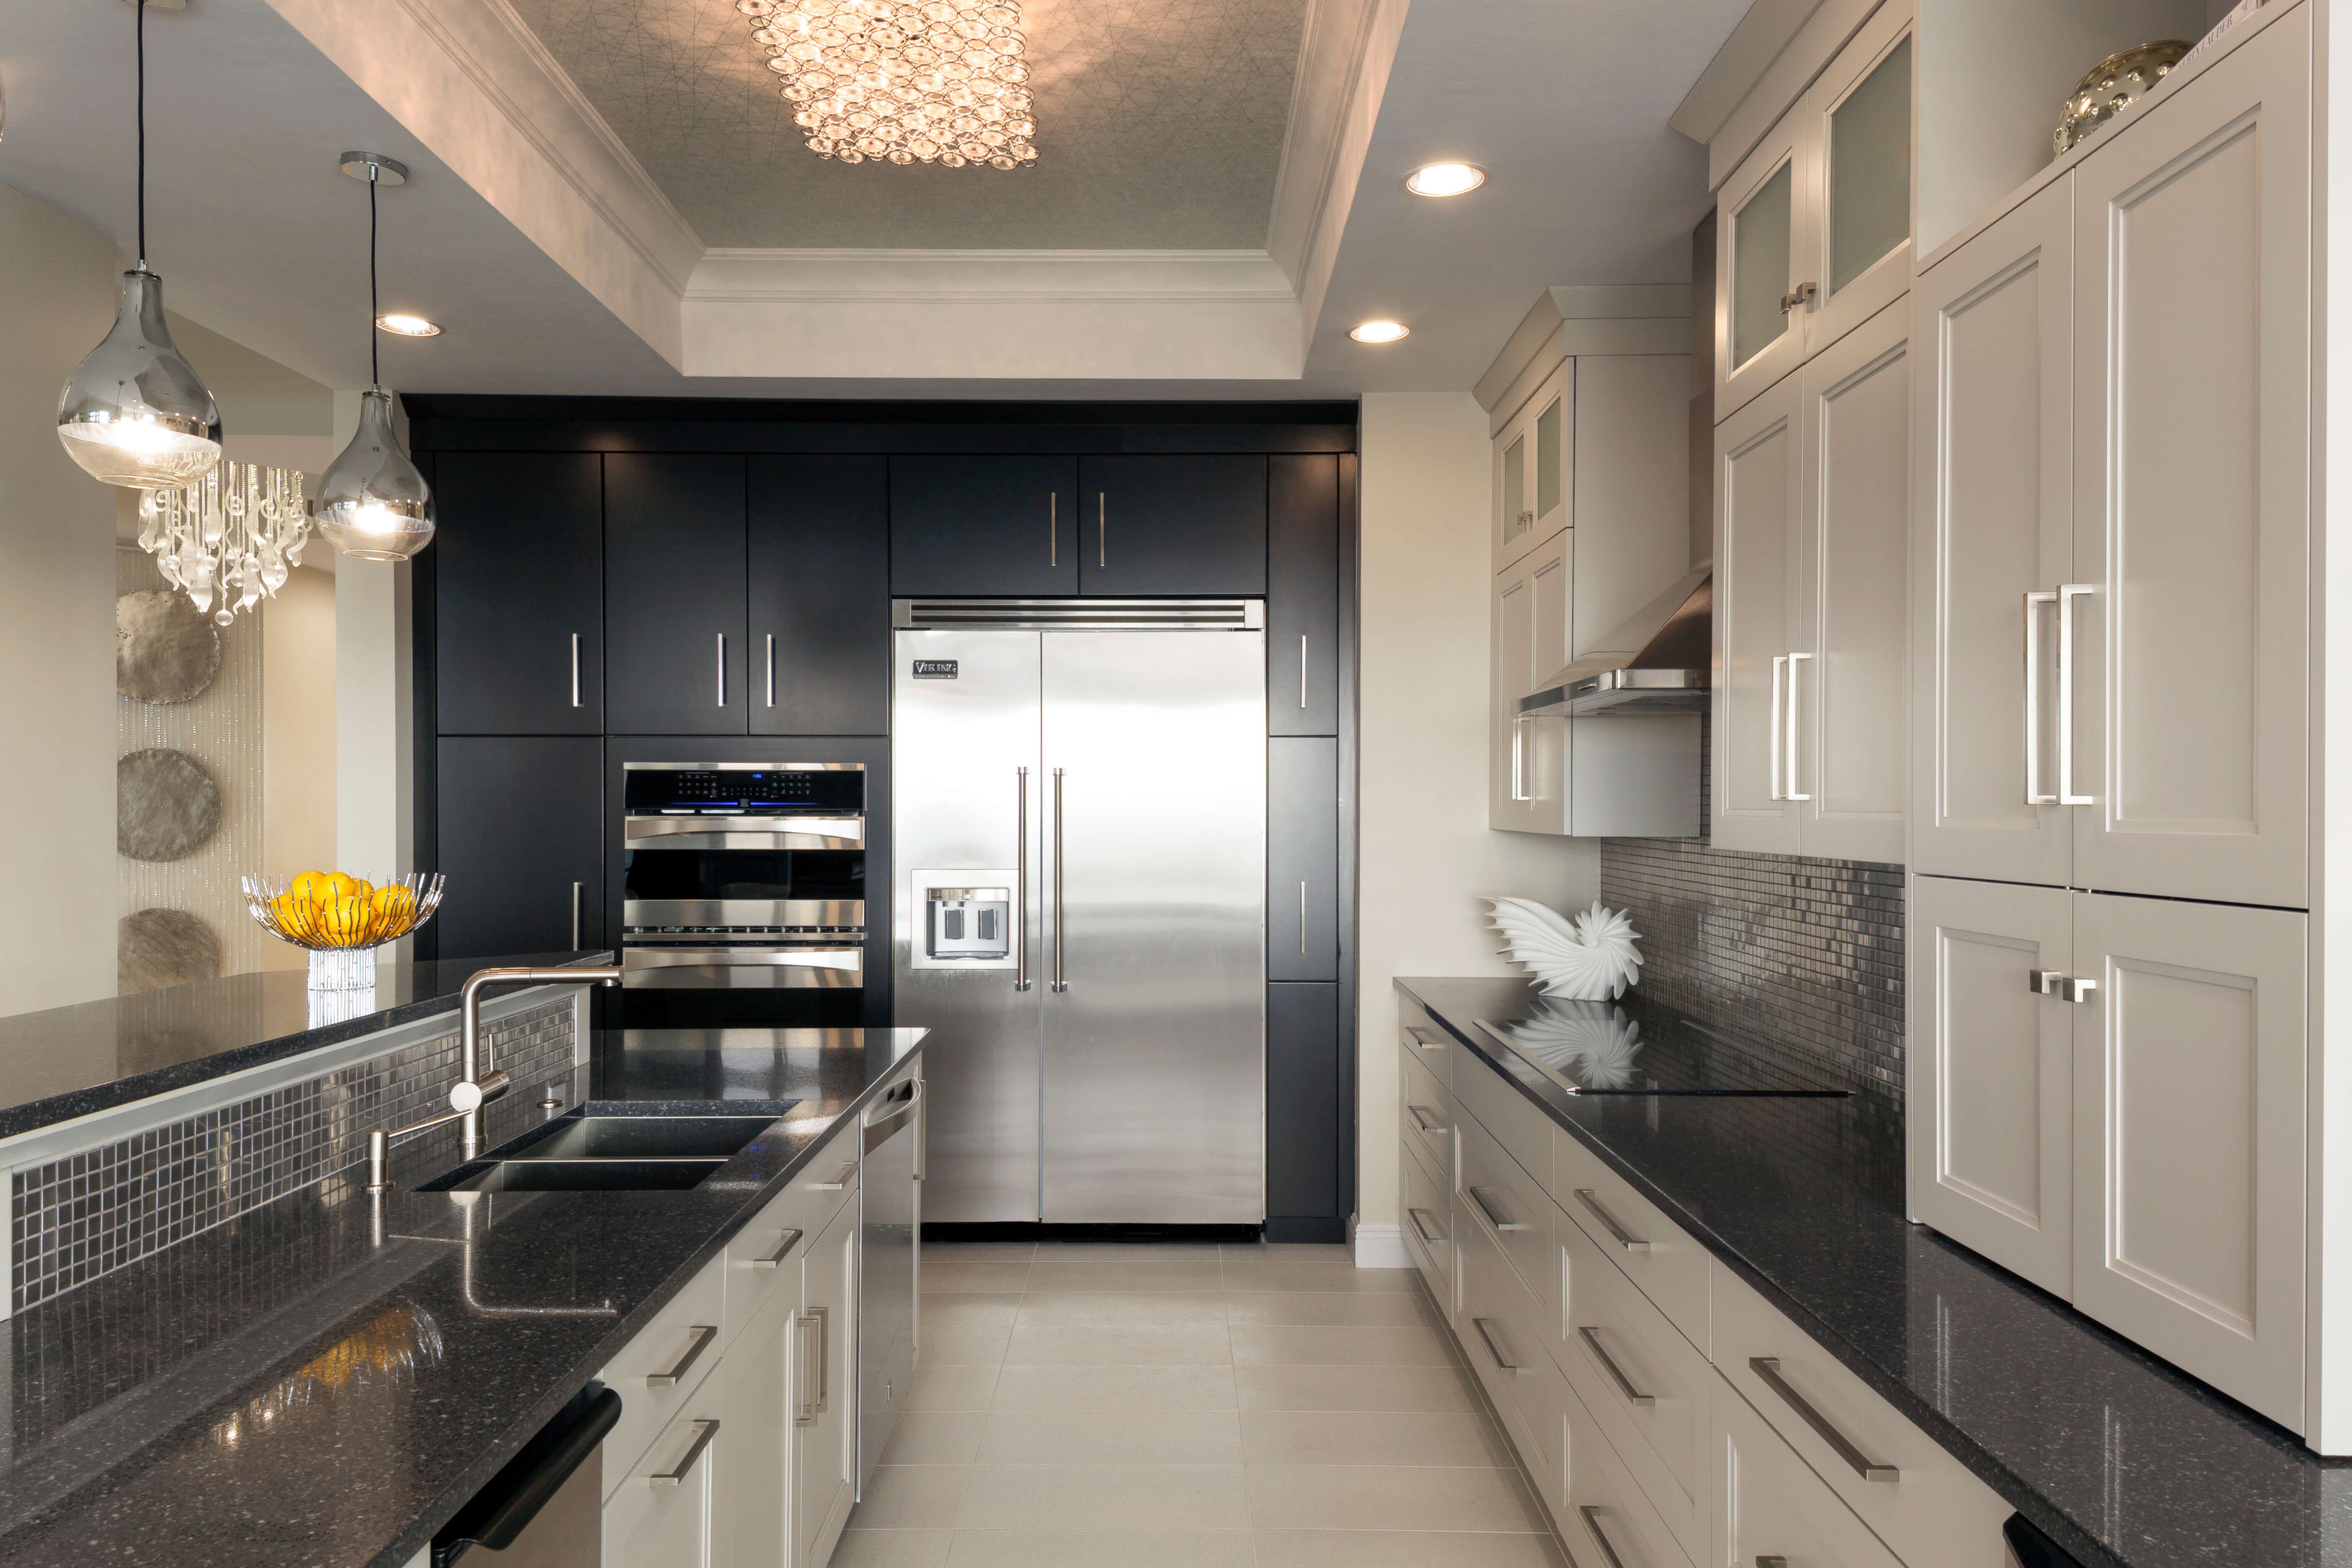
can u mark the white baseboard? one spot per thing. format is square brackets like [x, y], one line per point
[1381, 1247]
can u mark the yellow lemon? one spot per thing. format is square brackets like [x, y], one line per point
[284, 910]
[304, 887]
[339, 885]
[391, 906]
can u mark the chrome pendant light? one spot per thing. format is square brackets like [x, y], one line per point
[372, 503]
[134, 413]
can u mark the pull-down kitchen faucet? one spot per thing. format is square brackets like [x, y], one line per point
[475, 1088]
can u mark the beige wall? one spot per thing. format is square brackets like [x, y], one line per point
[1426, 850]
[58, 283]
[298, 734]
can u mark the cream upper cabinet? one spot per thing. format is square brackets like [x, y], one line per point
[2189, 603]
[1991, 541]
[1535, 471]
[1759, 490]
[1526, 772]
[1814, 228]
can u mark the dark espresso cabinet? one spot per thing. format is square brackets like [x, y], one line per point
[1191, 524]
[1304, 1062]
[521, 820]
[674, 621]
[819, 637]
[982, 527]
[1302, 600]
[518, 632]
[1302, 858]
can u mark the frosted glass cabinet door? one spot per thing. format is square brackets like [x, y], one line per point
[1992, 1072]
[1767, 212]
[1844, 692]
[1757, 519]
[1859, 114]
[2193, 501]
[1535, 470]
[1992, 522]
[2190, 1065]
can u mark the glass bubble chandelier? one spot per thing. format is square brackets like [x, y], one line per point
[233, 535]
[903, 81]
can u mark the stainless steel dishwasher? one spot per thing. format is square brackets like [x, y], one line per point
[889, 1266]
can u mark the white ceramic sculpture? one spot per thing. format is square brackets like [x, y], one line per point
[1590, 958]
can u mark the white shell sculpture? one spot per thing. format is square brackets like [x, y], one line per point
[1590, 958]
[1592, 1043]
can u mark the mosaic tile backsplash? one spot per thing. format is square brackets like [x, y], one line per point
[1802, 955]
[86, 1215]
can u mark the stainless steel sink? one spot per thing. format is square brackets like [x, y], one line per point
[645, 1137]
[593, 1175]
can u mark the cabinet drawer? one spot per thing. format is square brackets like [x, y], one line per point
[765, 1256]
[1647, 1387]
[1607, 1518]
[1501, 1333]
[1510, 1207]
[1427, 1206]
[1933, 1513]
[1653, 1252]
[678, 1347]
[1772, 1508]
[1432, 1048]
[677, 1520]
[1524, 1131]
[1427, 1117]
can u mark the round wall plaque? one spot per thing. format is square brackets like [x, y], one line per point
[165, 649]
[156, 948]
[165, 805]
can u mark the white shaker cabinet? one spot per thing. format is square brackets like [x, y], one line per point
[1758, 492]
[2192, 489]
[1535, 470]
[664, 1514]
[1993, 541]
[1527, 774]
[824, 1390]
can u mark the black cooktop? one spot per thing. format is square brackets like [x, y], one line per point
[1630, 1047]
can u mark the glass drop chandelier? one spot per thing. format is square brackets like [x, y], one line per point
[235, 535]
[935, 81]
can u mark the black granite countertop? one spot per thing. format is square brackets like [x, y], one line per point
[326, 1381]
[66, 1062]
[2125, 1461]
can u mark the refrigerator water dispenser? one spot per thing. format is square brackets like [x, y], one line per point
[968, 922]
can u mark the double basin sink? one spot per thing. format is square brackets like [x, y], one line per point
[587, 1153]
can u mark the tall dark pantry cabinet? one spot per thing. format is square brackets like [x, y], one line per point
[627, 578]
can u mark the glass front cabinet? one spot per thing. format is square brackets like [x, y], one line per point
[1532, 470]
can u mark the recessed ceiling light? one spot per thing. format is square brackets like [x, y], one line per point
[1444, 179]
[408, 326]
[1381, 332]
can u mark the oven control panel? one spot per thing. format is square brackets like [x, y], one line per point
[671, 789]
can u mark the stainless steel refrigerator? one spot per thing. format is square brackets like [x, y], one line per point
[1078, 834]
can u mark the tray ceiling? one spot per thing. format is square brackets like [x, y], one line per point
[1160, 126]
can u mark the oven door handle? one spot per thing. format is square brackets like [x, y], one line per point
[788, 832]
[852, 959]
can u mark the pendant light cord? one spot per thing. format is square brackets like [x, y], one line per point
[375, 376]
[141, 33]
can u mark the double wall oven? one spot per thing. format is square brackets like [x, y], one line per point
[743, 896]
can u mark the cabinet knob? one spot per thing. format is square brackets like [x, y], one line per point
[1803, 294]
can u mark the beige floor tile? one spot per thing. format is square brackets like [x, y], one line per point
[1384, 1496]
[964, 1344]
[913, 1497]
[1123, 1309]
[996, 1308]
[1209, 1436]
[1351, 1388]
[1291, 1251]
[961, 1274]
[1114, 1388]
[1463, 1440]
[942, 1388]
[1102, 1549]
[1127, 1251]
[935, 1437]
[1181, 1344]
[1283, 1274]
[1404, 1549]
[1144, 1274]
[1278, 1309]
[890, 1548]
[1109, 1496]
[1340, 1346]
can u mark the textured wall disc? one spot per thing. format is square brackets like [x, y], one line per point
[165, 805]
[156, 948]
[165, 650]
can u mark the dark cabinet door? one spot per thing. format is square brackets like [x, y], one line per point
[521, 828]
[1302, 596]
[1303, 1073]
[820, 597]
[674, 621]
[518, 566]
[966, 526]
[1302, 858]
[1192, 525]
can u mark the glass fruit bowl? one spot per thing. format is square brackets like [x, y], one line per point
[341, 919]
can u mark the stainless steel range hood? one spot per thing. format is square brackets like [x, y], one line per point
[1655, 663]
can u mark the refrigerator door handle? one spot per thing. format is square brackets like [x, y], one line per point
[1060, 981]
[1021, 980]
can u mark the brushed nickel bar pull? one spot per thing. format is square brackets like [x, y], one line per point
[2078, 991]
[2033, 795]
[1423, 1040]
[1772, 732]
[1770, 1559]
[1420, 1117]
[804, 1382]
[1053, 527]
[1478, 1196]
[792, 1238]
[575, 915]
[2067, 593]
[1302, 918]
[771, 669]
[823, 1316]
[841, 1179]
[2045, 983]
[1591, 1338]
[1591, 1515]
[1768, 1367]
[1792, 793]
[1421, 1223]
[704, 1431]
[1061, 982]
[722, 669]
[575, 679]
[1493, 1349]
[1626, 1238]
[703, 1334]
[1102, 531]
[1021, 980]
[1302, 672]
